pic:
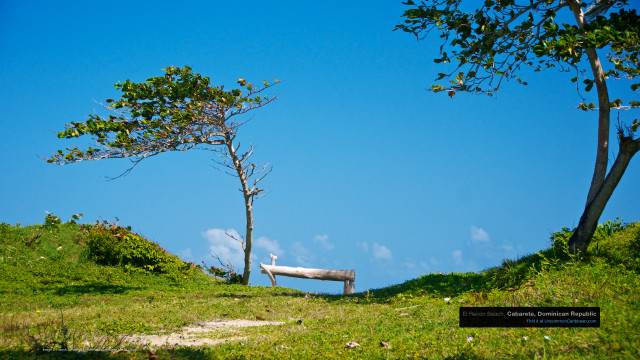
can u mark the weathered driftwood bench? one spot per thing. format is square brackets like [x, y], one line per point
[348, 276]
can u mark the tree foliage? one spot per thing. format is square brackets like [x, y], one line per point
[495, 42]
[174, 112]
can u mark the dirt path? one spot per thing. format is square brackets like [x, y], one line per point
[200, 334]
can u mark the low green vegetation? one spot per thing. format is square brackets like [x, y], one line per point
[73, 291]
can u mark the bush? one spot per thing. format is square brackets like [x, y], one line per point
[228, 274]
[114, 245]
[621, 248]
[560, 240]
[51, 222]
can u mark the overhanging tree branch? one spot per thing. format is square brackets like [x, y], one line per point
[493, 43]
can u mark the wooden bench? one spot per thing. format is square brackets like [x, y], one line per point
[348, 276]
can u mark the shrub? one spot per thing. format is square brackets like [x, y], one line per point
[621, 248]
[51, 222]
[114, 245]
[560, 240]
[226, 273]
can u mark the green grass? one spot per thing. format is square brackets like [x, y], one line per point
[56, 292]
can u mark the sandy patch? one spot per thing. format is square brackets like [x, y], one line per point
[198, 334]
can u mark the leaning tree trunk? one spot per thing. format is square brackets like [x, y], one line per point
[604, 113]
[581, 237]
[602, 185]
[248, 204]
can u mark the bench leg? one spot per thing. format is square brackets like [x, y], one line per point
[269, 274]
[349, 287]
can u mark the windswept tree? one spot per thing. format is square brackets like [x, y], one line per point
[177, 111]
[504, 37]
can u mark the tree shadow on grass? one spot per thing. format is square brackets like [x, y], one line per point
[95, 288]
[62, 355]
[464, 356]
[195, 353]
[243, 291]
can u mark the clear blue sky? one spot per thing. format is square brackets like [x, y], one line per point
[370, 171]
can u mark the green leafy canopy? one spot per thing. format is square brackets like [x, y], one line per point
[173, 112]
[494, 42]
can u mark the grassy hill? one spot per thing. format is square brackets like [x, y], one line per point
[82, 287]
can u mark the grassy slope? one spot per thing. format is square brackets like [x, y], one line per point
[44, 290]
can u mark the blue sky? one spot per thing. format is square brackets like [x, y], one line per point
[371, 172]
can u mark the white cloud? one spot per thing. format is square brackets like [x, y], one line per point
[415, 267]
[322, 239]
[301, 254]
[381, 252]
[457, 257]
[434, 261]
[363, 245]
[226, 248]
[478, 235]
[186, 255]
[409, 263]
[270, 246]
[507, 247]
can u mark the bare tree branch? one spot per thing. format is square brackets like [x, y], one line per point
[241, 240]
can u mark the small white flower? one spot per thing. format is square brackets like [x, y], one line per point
[447, 299]
[525, 338]
[547, 338]
[59, 247]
